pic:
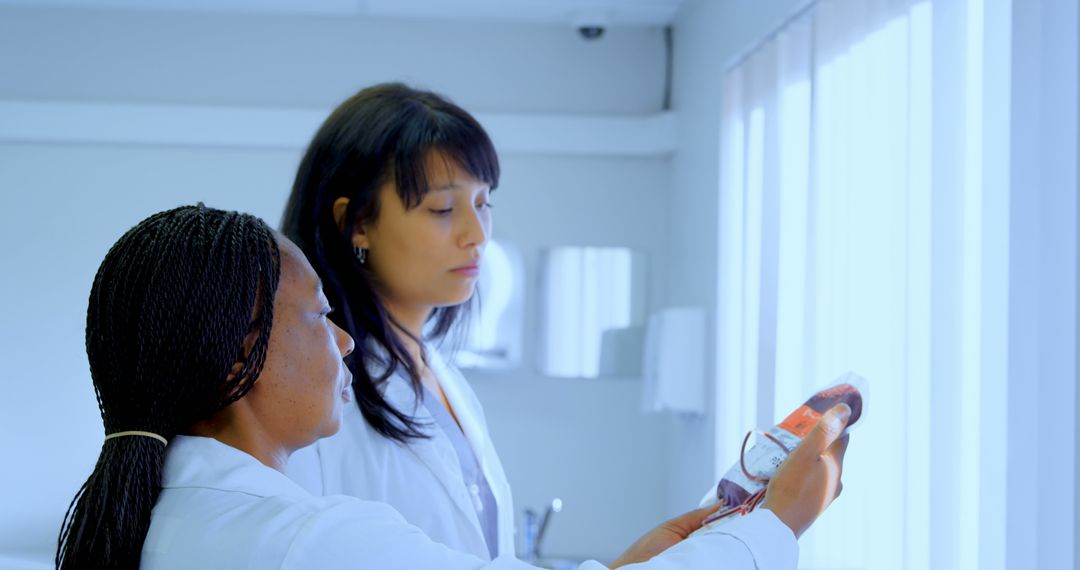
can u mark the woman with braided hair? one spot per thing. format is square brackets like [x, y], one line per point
[213, 361]
[178, 331]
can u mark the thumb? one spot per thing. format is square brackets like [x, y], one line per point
[827, 430]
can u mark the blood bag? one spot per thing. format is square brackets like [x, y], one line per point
[742, 488]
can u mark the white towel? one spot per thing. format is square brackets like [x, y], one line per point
[674, 362]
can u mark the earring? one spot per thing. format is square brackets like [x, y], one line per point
[361, 254]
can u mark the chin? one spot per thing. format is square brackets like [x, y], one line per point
[332, 426]
[329, 431]
[465, 295]
[455, 292]
[454, 300]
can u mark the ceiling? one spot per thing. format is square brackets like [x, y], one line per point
[570, 12]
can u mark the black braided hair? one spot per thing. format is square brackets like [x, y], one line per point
[382, 133]
[170, 309]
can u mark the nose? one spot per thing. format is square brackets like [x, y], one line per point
[345, 341]
[475, 228]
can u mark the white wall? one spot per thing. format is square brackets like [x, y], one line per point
[64, 205]
[269, 60]
[707, 35]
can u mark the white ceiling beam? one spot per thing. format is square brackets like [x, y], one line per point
[282, 128]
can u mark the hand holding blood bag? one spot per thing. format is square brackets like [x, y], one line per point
[743, 487]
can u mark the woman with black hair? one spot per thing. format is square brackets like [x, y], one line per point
[391, 204]
[178, 330]
[213, 360]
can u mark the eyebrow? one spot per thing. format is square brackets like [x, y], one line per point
[453, 186]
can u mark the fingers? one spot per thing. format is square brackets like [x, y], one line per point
[691, 521]
[827, 430]
[835, 455]
[838, 449]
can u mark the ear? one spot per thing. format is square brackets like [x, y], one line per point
[359, 237]
[249, 344]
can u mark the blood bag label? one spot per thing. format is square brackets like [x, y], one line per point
[801, 422]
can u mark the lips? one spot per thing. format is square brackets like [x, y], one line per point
[470, 271]
[346, 392]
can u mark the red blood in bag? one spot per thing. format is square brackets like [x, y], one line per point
[824, 400]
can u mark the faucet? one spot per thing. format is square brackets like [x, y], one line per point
[536, 527]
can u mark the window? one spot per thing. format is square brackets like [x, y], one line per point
[830, 260]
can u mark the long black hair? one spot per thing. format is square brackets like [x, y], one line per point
[382, 133]
[171, 308]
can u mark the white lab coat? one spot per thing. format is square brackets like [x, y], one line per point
[421, 480]
[221, 508]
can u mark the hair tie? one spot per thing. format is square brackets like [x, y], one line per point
[138, 433]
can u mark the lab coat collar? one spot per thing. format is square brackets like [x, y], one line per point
[436, 452]
[193, 461]
[400, 393]
[470, 416]
[451, 382]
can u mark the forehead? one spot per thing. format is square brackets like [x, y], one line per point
[444, 173]
[297, 275]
